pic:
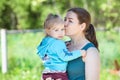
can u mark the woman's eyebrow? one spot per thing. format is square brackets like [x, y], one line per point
[67, 18]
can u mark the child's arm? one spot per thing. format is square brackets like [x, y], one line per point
[66, 55]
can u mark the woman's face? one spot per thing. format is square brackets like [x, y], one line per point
[72, 25]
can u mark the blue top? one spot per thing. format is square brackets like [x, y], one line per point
[76, 67]
[55, 55]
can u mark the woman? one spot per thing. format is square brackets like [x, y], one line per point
[79, 28]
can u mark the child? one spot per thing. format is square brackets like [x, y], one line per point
[53, 51]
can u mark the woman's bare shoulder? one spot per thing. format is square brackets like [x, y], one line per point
[92, 62]
[92, 53]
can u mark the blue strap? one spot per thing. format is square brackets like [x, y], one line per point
[88, 45]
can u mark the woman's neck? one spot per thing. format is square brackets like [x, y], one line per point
[78, 40]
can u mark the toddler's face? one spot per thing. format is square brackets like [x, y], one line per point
[57, 32]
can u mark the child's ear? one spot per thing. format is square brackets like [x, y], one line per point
[47, 31]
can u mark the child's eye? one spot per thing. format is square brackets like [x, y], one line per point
[70, 21]
[56, 30]
[62, 29]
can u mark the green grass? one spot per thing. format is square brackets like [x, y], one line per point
[25, 64]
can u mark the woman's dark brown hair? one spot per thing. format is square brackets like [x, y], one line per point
[84, 17]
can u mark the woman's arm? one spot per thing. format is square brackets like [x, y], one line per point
[92, 64]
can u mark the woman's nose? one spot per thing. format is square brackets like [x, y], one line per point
[65, 24]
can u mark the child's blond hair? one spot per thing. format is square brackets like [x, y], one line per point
[53, 21]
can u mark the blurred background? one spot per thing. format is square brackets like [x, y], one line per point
[23, 22]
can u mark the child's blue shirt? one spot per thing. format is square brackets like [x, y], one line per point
[55, 55]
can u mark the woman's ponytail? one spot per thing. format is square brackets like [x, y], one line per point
[91, 35]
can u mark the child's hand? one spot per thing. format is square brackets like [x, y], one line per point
[83, 52]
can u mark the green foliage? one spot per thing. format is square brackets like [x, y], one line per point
[109, 47]
[107, 76]
[110, 13]
[30, 14]
[20, 8]
[23, 61]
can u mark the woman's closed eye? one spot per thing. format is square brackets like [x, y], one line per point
[70, 21]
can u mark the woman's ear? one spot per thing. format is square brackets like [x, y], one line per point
[83, 25]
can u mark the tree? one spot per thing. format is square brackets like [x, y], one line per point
[30, 14]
